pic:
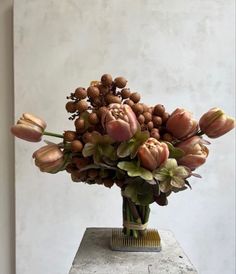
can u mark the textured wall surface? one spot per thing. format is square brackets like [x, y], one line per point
[179, 53]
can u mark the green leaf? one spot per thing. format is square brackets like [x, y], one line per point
[174, 151]
[134, 170]
[123, 150]
[88, 150]
[139, 192]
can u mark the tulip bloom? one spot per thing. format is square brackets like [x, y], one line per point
[181, 124]
[49, 158]
[195, 152]
[216, 123]
[153, 153]
[120, 122]
[29, 128]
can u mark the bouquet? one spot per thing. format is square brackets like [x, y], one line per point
[119, 140]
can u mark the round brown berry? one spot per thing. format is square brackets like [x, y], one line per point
[79, 123]
[167, 137]
[147, 116]
[157, 121]
[129, 102]
[150, 125]
[137, 108]
[80, 93]
[135, 97]
[106, 80]
[108, 182]
[155, 133]
[159, 110]
[87, 137]
[69, 136]
[141, 119]
[165, 117]
[93, 118]
[93, 92]
[125, 93]
[92, 173]
[120, 82]
[110, 99]
[76, 146]
[71, 107]
[82, 106]
[102, 111]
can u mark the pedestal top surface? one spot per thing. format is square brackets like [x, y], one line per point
[95, 256]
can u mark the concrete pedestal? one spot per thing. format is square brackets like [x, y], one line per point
[95, 256]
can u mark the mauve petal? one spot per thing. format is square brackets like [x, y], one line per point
[119, 130]
[35, 120]
[146, 158]
[192, 161]
[31, 134]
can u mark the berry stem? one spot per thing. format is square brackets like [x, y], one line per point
[53, 134]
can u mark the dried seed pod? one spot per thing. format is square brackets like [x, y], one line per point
[93, 118]
[92, 173]
[69, 136]
[97, 102]
[125, 93]
[157, 121]
[155, 133]
[147, 116]
[106, 80]
[159, 110]
[79, 123]
[93, 92]
[135, 97]
[137, 109]
[71, 107]
[80, 93]
[129, 102]
[81, 106]
[110, 99]
[80, 162]
[108, 182]
[120, 82]
[76, 146]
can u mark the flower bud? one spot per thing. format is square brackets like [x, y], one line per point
[153, 153]
[120, 122]
[195, 152]
[216, 123]
[49, 158]
[29, 128]
[181, 124]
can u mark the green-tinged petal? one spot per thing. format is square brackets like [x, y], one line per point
[88, 149]
[165, 186]
[177, 182]
[170, 164]
[181, 171]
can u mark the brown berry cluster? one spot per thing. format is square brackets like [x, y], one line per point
[87, 106]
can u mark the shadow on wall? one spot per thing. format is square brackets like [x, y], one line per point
[7, 204]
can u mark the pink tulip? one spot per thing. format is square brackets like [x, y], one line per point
[152, 154]
[216, 123]
[181, 124]
[49, 158]
[195, 152]
[29, 128]
[120, 122]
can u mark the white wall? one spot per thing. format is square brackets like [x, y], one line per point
[7, 235]
[179, 53]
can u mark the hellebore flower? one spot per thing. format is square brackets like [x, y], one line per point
[195, 152]
[49, 158]
[216, 123]
[170, 175]
[120, 122]
[29, 128]
[181, 124]
[152, 154]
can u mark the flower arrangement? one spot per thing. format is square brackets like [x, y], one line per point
[118, 140]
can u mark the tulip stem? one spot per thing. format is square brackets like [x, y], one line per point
[53, 134]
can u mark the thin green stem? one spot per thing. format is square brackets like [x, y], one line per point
[53, 134]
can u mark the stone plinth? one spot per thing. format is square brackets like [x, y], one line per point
[95, 256]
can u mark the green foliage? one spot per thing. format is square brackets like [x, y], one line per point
[140, 192]
[134, 170]
[174, 151]
[130, 147]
